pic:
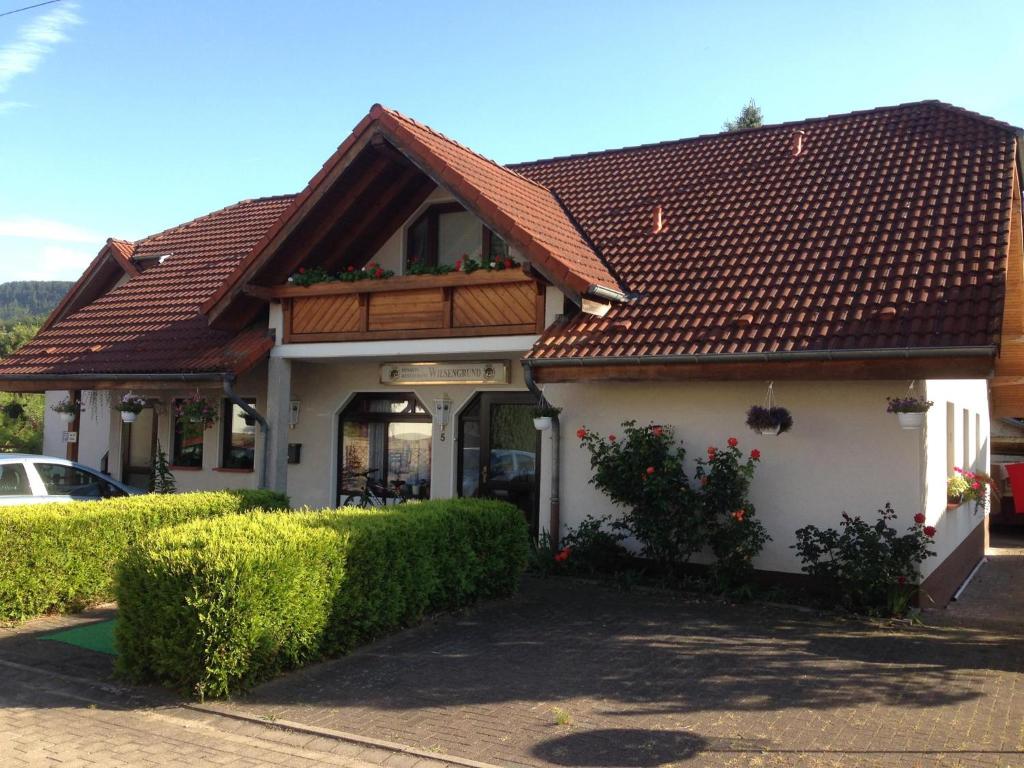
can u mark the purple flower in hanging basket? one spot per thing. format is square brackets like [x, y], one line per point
[908, 405]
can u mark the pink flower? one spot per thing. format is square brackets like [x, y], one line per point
[611, 438]
[975, 485]
[650, 470]
[657, 431]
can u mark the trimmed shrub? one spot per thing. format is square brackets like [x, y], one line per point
[61, 557]
[213, 606]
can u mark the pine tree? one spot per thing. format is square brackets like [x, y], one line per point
[162, 478]
[749, 117]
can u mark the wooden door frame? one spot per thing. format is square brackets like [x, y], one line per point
[126, 446]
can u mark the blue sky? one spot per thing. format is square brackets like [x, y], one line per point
[121, 118]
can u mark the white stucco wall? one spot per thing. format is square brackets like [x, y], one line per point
[946, 448]
[845, 453]
[93, 430]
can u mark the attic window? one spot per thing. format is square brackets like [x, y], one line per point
[446, 233]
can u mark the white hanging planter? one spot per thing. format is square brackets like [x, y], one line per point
[911, 420]
[128, 417]
[67, 418]
[772, 431]
[542, 423]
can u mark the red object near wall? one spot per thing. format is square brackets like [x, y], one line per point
[1016, 475]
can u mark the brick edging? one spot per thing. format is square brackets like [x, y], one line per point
[329, 733]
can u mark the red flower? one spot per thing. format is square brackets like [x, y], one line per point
[711, 452]
[733, 442]
[738, 515]
[581, 432]
[351, 268]
[302, 270]
[755, 454]
[929, 531]
[458, 265]
[562, 555]
[509, 263]
[975, 485]
[902, 580]
[657, 431]
[379, 272]
[957, 469]
[611, 438]
[650, 470]
[919, 518]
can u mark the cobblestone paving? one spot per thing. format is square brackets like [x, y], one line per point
[49, 718]
[579, 675]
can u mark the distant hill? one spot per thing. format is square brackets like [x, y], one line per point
[30, 298]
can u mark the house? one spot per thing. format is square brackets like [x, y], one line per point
[844, 259]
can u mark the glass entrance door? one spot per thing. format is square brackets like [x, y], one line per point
[500, 450]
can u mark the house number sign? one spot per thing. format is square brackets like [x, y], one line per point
[462, 372]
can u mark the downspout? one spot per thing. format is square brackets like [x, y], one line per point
[229, 391]
[554, 519]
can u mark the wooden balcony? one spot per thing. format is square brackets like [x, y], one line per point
[482, 303]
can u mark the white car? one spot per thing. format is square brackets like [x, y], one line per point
[27, 479]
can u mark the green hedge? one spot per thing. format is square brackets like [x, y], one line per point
[61, 556]
[210, 607]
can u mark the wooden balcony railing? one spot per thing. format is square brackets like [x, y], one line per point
[482, 303]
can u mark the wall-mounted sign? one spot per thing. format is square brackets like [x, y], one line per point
[70, 437]
[475, 372]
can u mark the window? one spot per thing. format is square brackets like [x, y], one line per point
[14, 481]
[64, 480]
[239, 436]
[387, 437]
[187, 450]
[446, 233]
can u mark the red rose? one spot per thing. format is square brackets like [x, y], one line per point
[611, 438]
[929, 531]
[302, 270]
[650, 470]
[562, 556]
[711, 452]
[379, 272]
[919, 518]
[755, 454]
[581, 432]
[458, 265]
[738, 515]
[733, 442]
[657, 431]
[351, 268]
[509, 263]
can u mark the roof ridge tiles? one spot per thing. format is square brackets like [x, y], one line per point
[771, 127]
[423, 126]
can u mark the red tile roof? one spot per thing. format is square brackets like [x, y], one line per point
[888, 230]
[516, 207]
[151, 324]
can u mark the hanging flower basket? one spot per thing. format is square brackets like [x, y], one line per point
[130, 407]
[772, 420]
[196, 410]
[542, 416]
[67, 409]
[909, 410]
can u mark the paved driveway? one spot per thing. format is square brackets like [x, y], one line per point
[577, 675]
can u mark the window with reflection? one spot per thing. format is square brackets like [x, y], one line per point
[446, 233]
[385, 438]
[187, 447]
[239, 436]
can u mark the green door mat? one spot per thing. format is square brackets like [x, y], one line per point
[98, 636]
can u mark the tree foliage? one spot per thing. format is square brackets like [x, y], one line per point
[30, 298]
[749, 117]
[21, 429]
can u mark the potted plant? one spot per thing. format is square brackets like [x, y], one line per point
[130, 406]
[964, 486]
[909, 410]
[67, 409]
[542, 415]
[770, 420]
[196, 409]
